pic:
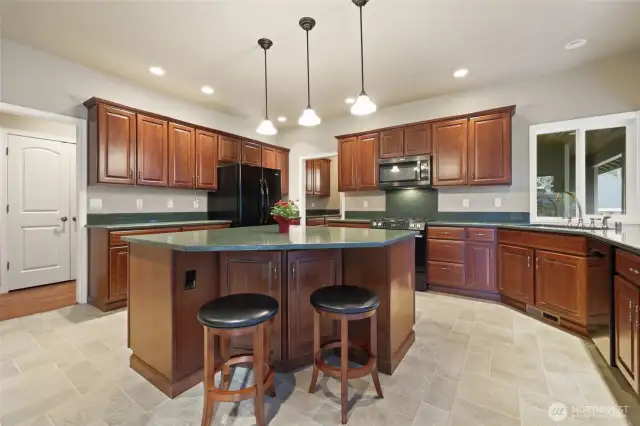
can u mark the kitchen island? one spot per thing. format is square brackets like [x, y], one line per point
[171, 275]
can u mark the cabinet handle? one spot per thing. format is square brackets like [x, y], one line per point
[444, 269]
[637, 315]
[198, 180]
[528, 261]
[473, 175]
[446, 233]
[140, 174]
[537, 262]
[131, 174]
[446, 246]
[480, 234]
[635, 271]
[630, 312]
[275, 271]
[293, 271]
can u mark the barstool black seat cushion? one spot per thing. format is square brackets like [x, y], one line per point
[238, 310]
[344, 299]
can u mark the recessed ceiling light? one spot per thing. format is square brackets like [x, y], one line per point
[207, 90]
[462, 72]
[156, 70]
[282, 119]
[349, 101]
[575, 44]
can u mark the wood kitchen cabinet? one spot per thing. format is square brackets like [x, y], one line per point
[182, 156]
[516, 273]
[112, 145]
[358, 163]
[118, 272]
[450, 153]
[257, 272]
[251, 153]
[206, 160]
[318, 177]
[407, 141]
[309, 270]
[392, 143]
[480, 264]
[282, 164]
[152, 151]
[229, 150]
[626, 303]
[347, 164]
[490, 150]
[269, 157]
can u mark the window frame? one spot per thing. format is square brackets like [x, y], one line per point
[629, 120]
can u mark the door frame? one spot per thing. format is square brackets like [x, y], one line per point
[302, 178]
[81, 191]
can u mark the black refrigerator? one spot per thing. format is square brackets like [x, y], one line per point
[245, 195]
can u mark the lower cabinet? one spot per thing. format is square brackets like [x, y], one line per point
[516, 273]
[481, 266]
[118, 272]
[309, 270]
[626, 303]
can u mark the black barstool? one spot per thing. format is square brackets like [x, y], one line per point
[236, 315]
[345, 303]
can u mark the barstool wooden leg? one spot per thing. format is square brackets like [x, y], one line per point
[209, 375]
[373, 325]
[271, 391]
[344, 368]
[258, 374]
[225, 373]
[316, 350]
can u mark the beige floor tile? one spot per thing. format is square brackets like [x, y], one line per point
[328, 415]
[405, 383]
[288, 416]
[465, 413]
[493, 332]
[39, 420]
[299, 399]
[520, 381]
[489, 393]
[478, 362]
[17, 343]
[93, 348]
[452, 365]
[62, 354]
[140, 390]
[374, 415]
[85, 377]
[416, 365]
[406, 405]
[428, 415]
[441, 392]
[8, 368]
[525, 365]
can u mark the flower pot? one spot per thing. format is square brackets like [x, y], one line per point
[283, 224]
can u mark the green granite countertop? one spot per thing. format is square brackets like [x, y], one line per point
[267, 238]
[158, 224]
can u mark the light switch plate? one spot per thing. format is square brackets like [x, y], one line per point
[313, 205]
[196, 203]
[497, 202]
[365, 204]
[139, 204]
[95, 204]
[465, 202]
[170, 203]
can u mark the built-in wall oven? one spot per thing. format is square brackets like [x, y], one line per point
[404, 172]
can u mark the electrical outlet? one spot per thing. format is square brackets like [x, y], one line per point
[497, 202]
[95, 204]
[313, 205]
[465, 202]
[139, 204]
[170, 203]
[196, 203]
[365, 204]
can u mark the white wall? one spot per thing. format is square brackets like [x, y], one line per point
[609, 86]
[115, 199]
[37, 125]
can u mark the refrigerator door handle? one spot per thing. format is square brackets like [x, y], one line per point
[267, 205]
[261, 206]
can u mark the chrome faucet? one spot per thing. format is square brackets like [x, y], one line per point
[605, 223]
[572, 195]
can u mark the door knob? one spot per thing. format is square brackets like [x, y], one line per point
[73, 218]
[63, 218]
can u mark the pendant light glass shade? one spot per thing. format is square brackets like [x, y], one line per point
[266, 127]
[363, 105]
[309, 118]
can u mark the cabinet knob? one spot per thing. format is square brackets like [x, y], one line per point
[528, 261]
[131, 174]
[140, 174]
[630, 312]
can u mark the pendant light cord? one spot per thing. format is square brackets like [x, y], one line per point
[361, 53]
[308, 78]
[266, 90]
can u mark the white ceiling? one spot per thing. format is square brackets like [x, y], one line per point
[411, 47]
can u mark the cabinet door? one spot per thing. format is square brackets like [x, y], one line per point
[182, 156]
[309, 270]
[317, 177]
[367, 169]
[516, 273]
[490, 150]
[116, 145]
[251, 153]
[450, 153]
[626, 336]
[253, 272]
[325, 178]
[347, 164]
[269, 157]
[561, 285]
[228, 149]
[309, 176]
[282, 164]
[417, 140]
[206, 160]
[152, 152]
[118, 272]
[481, 266]
[392, 143]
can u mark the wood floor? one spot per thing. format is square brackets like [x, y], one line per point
[34, 300]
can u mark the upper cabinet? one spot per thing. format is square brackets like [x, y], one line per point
[251, 153]
[318, 177]
[450, 153]
[490, 150]
[206, 160]
[182, 156]
[229, 150]
[152, 151]
[358, 163]
[282, 164]
[407, 141]
[269, 157]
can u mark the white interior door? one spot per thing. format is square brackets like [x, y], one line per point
[73, 214]
[39, 223]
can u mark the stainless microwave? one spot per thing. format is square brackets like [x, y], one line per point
[405, 172]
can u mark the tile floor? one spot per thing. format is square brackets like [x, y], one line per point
[473, 363]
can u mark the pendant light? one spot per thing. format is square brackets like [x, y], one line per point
[363, 104]
[266, 127]
[309, 117]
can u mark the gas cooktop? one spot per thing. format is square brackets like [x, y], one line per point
[410, 223]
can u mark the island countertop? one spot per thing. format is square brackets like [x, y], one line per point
[267, 238]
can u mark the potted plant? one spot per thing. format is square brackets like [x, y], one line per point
[285, 213]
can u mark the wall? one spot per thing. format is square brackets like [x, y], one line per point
[115, 199]
[332, 202]
[609, 86]
[38, 126]
[38, 80]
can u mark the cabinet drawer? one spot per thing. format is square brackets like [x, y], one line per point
[481, 234]
[315, 221]
[563, 243]
[446, 251]
[628, 265]
[445, 233]
[115, 238]
[442, 273]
